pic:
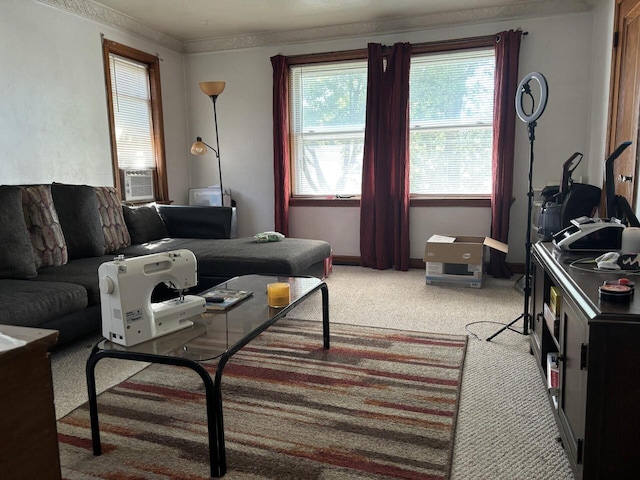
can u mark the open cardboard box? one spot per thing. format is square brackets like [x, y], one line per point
[458, 260]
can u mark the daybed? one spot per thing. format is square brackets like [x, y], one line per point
[55, 236]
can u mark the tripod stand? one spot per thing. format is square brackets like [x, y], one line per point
[530, 119]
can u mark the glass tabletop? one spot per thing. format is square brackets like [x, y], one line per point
[215, 332]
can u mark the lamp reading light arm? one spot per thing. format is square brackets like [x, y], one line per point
[198, 150]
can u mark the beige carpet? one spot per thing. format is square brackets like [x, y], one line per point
[505, 427]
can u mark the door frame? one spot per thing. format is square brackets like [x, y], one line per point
[614, 94]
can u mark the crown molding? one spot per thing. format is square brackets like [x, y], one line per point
[543, 8]
[112, 18]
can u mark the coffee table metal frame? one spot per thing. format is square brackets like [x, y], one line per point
[217, 456]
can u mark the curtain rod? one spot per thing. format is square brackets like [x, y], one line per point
[424, 47]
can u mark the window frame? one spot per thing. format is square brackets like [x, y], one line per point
[161, 189]
[413, 128]
[297, 137]
[416, 200]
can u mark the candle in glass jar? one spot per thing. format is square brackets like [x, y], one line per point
[278, 294]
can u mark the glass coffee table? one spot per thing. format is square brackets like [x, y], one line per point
[214, 336]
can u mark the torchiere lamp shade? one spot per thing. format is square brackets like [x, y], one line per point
[213, 89]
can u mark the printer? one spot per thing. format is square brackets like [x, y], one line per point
[590, 234]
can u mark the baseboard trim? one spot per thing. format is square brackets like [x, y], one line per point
[413, 263]
[346, 260]
[516, 267]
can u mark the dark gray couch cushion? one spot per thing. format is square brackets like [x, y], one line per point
[144, 224]
[198, 221]
[76, 324]
[77, 208]
[81, 271]
[30, 304]
[243, 256]
[17, 259]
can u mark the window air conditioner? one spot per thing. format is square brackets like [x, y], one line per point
[138, 185]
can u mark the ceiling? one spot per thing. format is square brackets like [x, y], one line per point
[204, 25]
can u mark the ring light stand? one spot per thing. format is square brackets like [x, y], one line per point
[530, 119]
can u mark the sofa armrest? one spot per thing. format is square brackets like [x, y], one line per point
[198, 221]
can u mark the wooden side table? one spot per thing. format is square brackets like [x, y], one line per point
[27, 412]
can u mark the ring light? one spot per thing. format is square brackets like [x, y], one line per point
[531, 126]
[524, 88]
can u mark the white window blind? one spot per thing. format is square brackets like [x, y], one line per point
[451, 122]
[131, 99]
[328, 103]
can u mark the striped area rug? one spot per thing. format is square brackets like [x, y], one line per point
[379, 404]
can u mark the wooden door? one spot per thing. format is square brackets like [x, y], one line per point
[626, 98]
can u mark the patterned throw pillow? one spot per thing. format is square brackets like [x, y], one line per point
[40, 215]
[114, 228]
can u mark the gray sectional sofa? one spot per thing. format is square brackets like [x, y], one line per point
[55, 236]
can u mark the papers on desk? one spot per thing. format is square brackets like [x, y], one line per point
[9, 343]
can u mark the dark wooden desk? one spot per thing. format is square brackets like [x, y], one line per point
[29, 446]
[598, 346]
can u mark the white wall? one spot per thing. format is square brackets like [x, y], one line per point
[245, 128]
[560, 47]
[53, 110]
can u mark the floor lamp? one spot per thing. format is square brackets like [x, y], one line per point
[213, 90]
[530, 119]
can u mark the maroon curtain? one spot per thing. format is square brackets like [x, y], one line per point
[281, 173]
[507, 49]
[384, 210]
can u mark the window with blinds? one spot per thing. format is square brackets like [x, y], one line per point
[132, 112]
[451, 122]
[451, 125]
[328, 103]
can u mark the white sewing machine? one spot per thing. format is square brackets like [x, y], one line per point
[126, 284]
